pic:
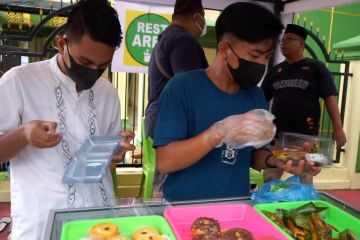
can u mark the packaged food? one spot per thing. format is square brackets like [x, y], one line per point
[297, 147]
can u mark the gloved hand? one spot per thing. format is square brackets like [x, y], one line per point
[254, 128]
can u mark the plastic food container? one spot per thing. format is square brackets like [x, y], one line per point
[91, 161]
[333, 215]
[297, 147]
[77, 230]
[228, 215]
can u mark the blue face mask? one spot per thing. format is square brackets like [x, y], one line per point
[248, 74]
[84, 77]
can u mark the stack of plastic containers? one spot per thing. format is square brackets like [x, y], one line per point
[91, 161]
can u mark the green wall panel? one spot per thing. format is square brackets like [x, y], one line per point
[334, 25]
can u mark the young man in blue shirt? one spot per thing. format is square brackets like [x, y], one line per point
[197, 119]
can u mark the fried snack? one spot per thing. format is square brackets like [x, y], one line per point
[104, 231]
[147, 233]
[237, 234]
[289, 155]
[297, 232]
[119, 237]
[204, 225]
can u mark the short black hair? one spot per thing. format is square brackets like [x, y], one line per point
[187, 7]
[96, 18]
[248, 21]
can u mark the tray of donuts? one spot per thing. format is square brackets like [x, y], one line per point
[220, 222]
[150, 227]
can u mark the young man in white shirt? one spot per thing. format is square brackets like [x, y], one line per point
[49, 108]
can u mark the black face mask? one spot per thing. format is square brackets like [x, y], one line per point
[248, 74]
[84, 77]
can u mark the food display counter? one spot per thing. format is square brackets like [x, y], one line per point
[137, 207]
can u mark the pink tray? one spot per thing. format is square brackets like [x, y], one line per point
[229, 215]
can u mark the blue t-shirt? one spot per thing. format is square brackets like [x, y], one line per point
[178, 51]
[189, 104]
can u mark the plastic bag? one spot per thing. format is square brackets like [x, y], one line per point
[264, 114]
[284, 191]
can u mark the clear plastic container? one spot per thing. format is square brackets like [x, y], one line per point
[297, 147]
[90, 162]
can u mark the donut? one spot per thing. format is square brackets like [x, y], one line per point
[237, 234]
[104, 231]
[118, 237]
[154, 237]
[214, 236]
[204, 225]
[147, 233]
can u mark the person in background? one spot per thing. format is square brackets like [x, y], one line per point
[295, 87]
[201, 111]
[49, 108]
[177, 50]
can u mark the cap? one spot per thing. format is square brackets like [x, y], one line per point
[296, 29]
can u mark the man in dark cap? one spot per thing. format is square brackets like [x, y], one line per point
[177, 50]
[295, 86]
[297, 30]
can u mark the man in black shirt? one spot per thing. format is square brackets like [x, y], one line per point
[295, 86]
[177, 50]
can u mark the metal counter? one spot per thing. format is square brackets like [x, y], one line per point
[135, 207]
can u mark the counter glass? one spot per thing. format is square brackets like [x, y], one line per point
[137, 207]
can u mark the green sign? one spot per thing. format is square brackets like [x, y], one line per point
[142, 35]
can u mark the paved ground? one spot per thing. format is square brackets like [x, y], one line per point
[351, 197]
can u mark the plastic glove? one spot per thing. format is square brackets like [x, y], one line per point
[254, 128]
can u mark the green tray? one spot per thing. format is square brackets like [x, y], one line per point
[76, 230]
[333, 215]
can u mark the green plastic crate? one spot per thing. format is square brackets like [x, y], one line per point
[333, 215]
[4, 176]
[79, 229]
[256, 177]
[149, 163]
